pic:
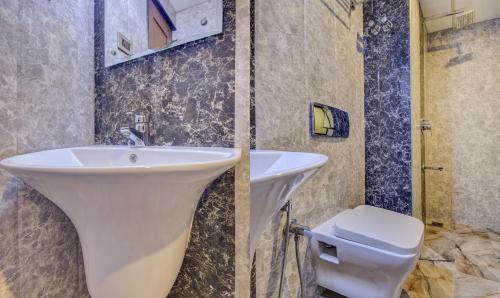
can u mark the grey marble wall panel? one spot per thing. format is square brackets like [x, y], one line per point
[46, 101]
[11, 116]
[9, 253]
[189, 93]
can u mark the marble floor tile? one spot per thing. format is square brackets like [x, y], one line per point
[468, 286]
[460, 262]
[428, 280]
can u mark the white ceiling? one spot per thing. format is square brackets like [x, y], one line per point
[485, 10]
[183, 4]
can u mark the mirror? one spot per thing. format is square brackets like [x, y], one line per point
[135, 28]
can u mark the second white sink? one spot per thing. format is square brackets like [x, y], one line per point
[274, 176]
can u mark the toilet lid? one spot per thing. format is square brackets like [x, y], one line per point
[380, 228]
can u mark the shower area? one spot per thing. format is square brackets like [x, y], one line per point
[459, 136]
[460, 126]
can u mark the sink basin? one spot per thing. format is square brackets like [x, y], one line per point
[132, 207]
[274, 176]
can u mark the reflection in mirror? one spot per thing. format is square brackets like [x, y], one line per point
[135, 28]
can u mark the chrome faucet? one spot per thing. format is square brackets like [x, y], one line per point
[139, 135]
[132, 135]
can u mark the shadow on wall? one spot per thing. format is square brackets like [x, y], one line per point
[348, 6]
[345, 7]
[459, 59]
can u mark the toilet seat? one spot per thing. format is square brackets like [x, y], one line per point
[376, 228]
[380, 228]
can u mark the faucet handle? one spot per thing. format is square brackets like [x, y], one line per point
[141, 118]
[141, 123]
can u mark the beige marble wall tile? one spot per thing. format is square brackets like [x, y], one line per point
[462, 90]
[46, 101]
[279, 86]
[307, 51]
[416, 98]
[242, 140]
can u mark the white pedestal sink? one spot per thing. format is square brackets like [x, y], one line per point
[274, 176]
[132, 208]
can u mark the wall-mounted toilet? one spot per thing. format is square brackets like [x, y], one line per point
[366, 252]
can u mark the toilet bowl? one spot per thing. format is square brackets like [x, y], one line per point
[366, 252]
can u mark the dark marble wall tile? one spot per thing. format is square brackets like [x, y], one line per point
[208, 268]
[253, 272]
[387, 105]
[189, 94]
[252, 75]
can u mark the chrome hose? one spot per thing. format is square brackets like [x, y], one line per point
[287, 208]
[299, 269]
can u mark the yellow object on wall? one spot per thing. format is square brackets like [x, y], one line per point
[321, 121]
